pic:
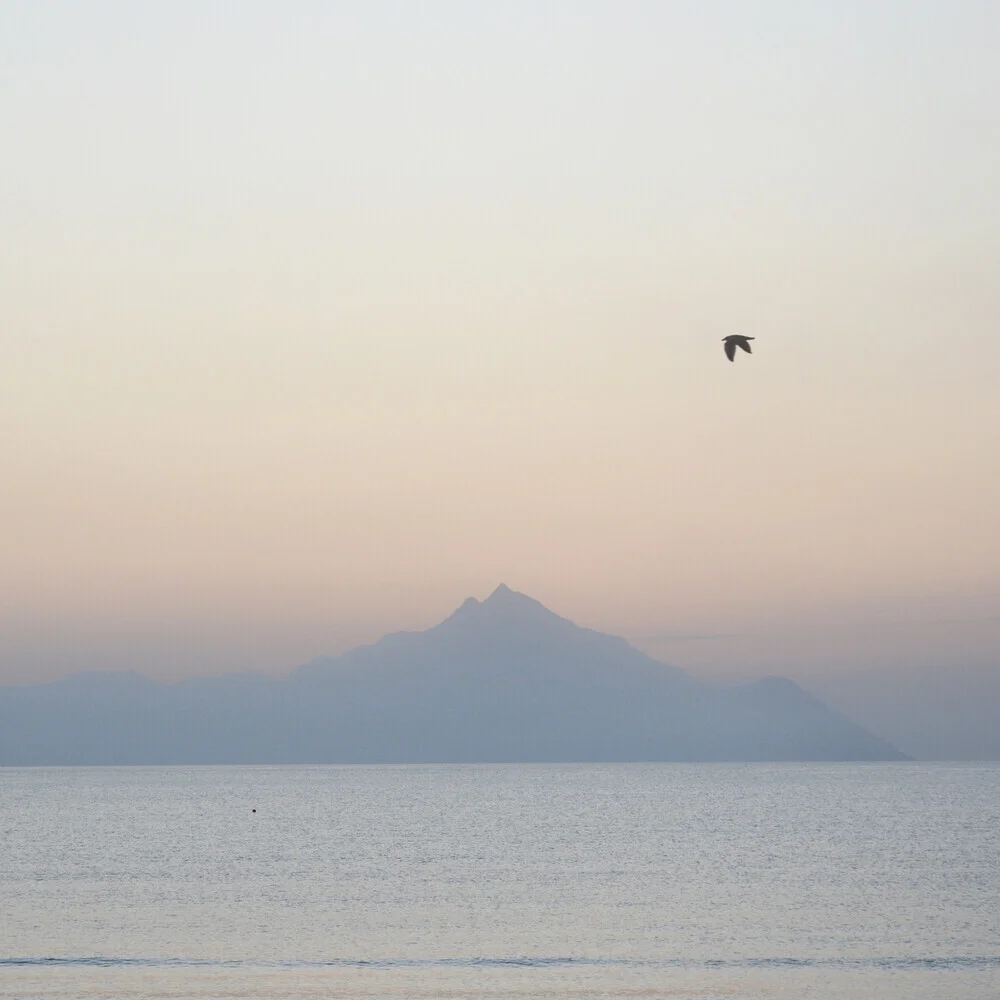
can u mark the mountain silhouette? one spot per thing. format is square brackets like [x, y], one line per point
[499, 680]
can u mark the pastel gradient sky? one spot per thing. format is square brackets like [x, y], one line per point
[318, 317]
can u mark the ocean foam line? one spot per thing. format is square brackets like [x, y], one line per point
[941, 963]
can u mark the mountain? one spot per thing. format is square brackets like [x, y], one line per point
[504, 679]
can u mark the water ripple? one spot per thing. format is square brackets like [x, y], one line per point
[943, 963]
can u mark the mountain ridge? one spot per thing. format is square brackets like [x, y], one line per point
[504, 679]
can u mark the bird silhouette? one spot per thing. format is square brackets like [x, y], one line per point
[735, 340]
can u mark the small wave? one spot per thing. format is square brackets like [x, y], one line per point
[107, 961]
[940, 963]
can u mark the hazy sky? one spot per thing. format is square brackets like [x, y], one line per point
[317, 317]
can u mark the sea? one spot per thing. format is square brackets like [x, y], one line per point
[535, 882]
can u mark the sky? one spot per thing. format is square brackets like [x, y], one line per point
[317, 318]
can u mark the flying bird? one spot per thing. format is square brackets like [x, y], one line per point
[735, 340]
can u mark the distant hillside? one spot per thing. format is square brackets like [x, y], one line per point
[500, 680]
[944, 713]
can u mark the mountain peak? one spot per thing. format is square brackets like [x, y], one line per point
[504, 609]
[504, 595]
[512, 604]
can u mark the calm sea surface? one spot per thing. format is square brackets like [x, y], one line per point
[556, 882]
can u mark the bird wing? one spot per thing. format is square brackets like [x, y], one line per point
[730, 349]
[744, 342]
